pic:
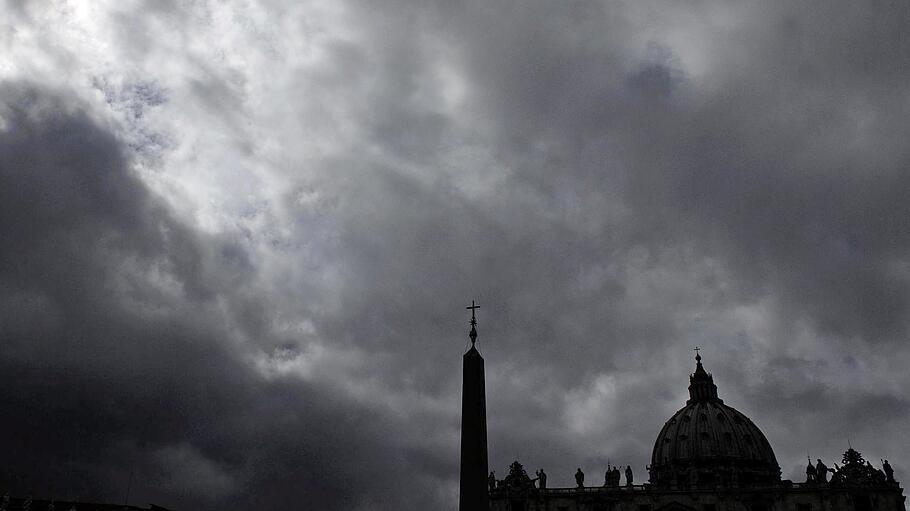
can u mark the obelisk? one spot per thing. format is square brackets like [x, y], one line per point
[473, 496]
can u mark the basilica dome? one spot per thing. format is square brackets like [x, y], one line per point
[708, 443]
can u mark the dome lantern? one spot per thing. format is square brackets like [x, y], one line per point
[701, 384]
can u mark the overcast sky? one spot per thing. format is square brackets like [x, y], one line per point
[237, 239]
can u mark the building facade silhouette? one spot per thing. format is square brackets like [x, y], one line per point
[8, 503]
[707, 457]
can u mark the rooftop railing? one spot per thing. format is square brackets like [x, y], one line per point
[782, 485]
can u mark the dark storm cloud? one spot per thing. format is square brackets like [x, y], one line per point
[614, 183]
[79, 233]
[115, 359]
[782, 166]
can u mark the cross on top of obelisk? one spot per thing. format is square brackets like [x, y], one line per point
[473, 334]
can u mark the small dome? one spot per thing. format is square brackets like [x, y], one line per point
[708, 443]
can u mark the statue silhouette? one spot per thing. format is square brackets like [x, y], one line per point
[580, 478]
[889, 472]
[821, 472]
[541, 479]
[810, 472]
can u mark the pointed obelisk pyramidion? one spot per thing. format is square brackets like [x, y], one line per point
[473, 496]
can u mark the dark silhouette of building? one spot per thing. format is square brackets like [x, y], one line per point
[474, 479]
[707, 457]
[28, 504]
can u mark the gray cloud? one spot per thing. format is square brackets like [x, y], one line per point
[116, 355]
[237, 242]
